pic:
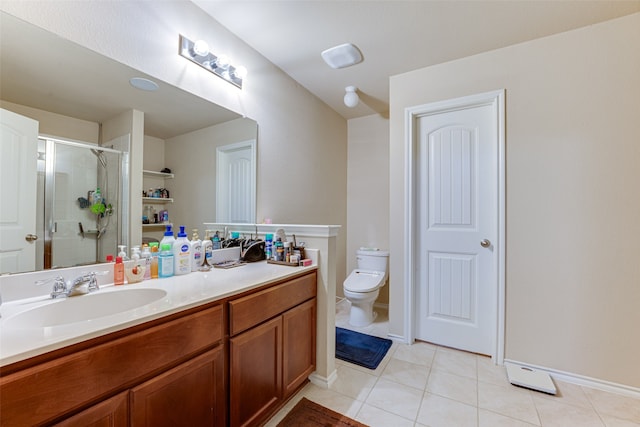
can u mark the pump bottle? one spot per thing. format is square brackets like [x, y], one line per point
[181, 253]
[196, 251]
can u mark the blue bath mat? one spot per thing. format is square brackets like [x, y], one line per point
[360, 349]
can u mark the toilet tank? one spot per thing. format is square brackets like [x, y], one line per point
[372, 260]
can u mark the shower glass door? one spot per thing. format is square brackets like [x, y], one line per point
[83, 186]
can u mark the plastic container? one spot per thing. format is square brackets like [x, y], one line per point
[216, 241]
[182, 253]
[118, 272]
[165, 261]
[155, 251]
[196, 251]
[146, 257]
[268, 246]
[168, 238]
[279, 250]
[97, 196]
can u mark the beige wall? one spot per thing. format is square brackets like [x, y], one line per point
[57, 125]
[192, 158]
[572, 147]
[302, 143]
[367, 190]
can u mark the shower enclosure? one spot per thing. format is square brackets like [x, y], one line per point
[80, 209]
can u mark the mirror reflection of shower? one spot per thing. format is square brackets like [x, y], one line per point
[80, 213]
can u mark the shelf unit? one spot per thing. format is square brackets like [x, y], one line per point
[157, 200]
[154, 174]
[160, 224]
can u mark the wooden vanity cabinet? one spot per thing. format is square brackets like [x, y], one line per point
[272, 348]
[97, 381]
[232, 362]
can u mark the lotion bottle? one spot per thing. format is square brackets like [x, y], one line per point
[181, 253]
[196, 251]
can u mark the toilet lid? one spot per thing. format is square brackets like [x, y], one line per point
[363, 281]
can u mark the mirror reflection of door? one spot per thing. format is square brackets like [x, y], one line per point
[236, 183]
[18, 156]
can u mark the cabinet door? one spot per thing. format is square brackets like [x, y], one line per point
[299, 345]
[191, 394]
[108, 413]
[255, 378]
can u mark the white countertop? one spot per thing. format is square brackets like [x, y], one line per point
[183, 292]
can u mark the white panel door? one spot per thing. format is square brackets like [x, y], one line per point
[236, 183]
[458, 222]
[18, 186]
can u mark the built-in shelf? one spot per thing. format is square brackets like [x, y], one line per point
[155, 174]
[160, 224]
[157, 200]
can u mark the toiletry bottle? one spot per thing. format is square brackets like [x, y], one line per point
[216, 241]
[135, 254]
[97, 196]
[279, 250]
[181, 253]
[118, 272]
[146, 257]
[196, 251]
[165, 261]
[168, 237]
[207, 249]
[122, 252]
[154, 259]
[268, 246]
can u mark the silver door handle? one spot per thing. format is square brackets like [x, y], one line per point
[485, 243]
[30, 237]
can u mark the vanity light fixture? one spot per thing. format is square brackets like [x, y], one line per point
[220, 65]
[351, 98]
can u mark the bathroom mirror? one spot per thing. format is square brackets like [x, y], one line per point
[44, 75]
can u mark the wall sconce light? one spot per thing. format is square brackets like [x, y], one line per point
[351, 98]
[198, 52]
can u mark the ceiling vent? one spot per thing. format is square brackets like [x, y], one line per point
[342, 56]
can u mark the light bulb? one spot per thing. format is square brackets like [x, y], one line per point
[201, 48]
[240, 72]
[223, 62]
[351, 98]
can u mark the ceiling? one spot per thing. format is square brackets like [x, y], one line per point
[394, 36]
[77, 82]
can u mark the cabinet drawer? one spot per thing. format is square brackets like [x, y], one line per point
[51, 389]
[253, 309]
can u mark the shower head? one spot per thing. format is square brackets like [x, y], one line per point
[100, 155]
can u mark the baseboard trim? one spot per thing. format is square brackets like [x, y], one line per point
[381, 305]
[324, 382]
[583, 380]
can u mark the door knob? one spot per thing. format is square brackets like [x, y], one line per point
[30, 237]
[485, 243]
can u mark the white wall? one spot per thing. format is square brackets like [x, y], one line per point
[367, 190]
[297, 134]
[572, 147]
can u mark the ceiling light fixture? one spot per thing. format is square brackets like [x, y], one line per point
[342, 56]
[198, 52]
[351, 98]
[143, 84]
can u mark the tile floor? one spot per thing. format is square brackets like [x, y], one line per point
[427, 385]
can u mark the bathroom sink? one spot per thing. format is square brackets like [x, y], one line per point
[84, 308]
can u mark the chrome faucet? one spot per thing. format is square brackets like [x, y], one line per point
[79, 286]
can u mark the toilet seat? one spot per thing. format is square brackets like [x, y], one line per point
[364, 281]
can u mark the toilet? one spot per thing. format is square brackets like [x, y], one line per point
[362, 286]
